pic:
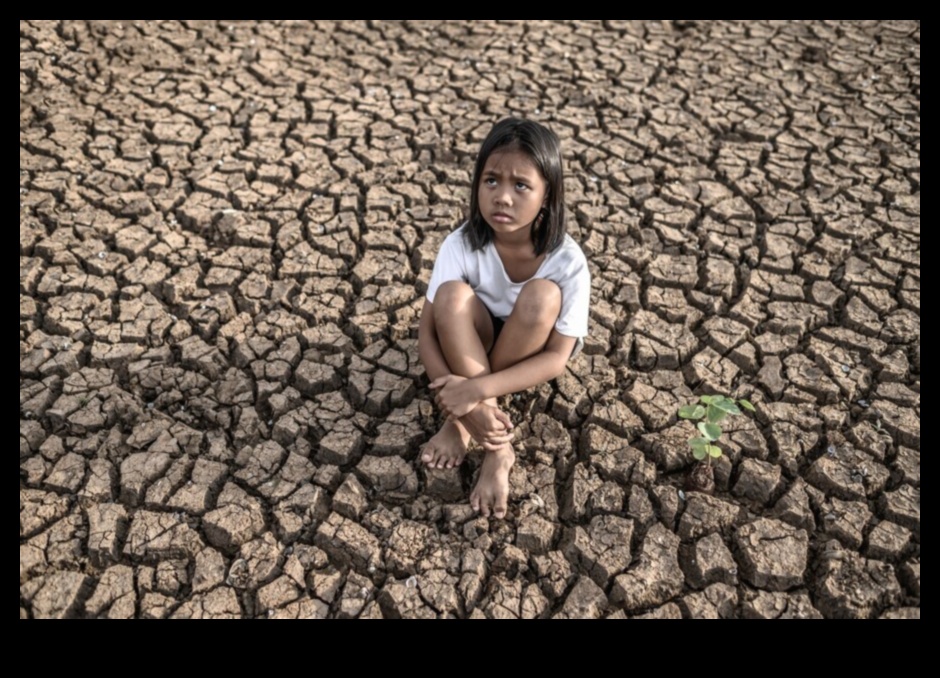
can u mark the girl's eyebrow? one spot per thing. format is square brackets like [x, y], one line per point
[514, 175]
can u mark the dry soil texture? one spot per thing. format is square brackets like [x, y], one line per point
[225, 233]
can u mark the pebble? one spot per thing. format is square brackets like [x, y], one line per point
[411, 582]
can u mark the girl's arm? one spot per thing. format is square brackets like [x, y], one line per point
[458, 395]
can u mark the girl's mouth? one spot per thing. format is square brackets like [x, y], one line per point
[501, 218]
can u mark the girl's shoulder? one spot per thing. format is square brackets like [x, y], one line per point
[458, 235]
[456, 239]
[570, 253]
[566, 264]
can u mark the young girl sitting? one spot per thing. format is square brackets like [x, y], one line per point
[507, 303]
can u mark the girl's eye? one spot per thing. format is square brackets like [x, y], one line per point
[490, 181]
[521, 186]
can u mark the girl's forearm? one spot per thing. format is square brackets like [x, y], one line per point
[540, 368]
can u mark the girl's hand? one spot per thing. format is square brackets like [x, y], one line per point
[457, 395]
[489, 426]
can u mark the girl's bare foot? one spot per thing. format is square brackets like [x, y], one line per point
[491, 493]
[447, 448]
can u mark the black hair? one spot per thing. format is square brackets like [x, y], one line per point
[544, 148]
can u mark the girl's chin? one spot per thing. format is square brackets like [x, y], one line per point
[509, 231]
[500, 227]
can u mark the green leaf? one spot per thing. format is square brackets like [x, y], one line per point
[714, 451]
[726, 405]
[699, 453]
[692, 412]
[710, 431]
[708, 399]
[746, 404]
[696, 443]
[715, 415]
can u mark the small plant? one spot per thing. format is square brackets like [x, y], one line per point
[709, 412]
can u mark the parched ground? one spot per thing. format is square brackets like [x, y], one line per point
[225, 233]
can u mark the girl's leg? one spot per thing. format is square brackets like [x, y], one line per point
[465, 332]
[464, 329]
[528, 327]
[525, 333]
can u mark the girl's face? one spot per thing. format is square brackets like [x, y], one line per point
[511, 192]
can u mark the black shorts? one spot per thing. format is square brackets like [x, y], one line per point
[497, 327]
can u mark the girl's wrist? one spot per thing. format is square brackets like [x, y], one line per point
[476, 389]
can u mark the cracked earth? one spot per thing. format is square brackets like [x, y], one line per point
[226, 230]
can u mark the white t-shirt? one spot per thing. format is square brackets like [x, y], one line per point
[483, 270]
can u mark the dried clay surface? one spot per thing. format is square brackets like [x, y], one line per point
[226, 232]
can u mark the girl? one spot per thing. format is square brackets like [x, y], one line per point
[507, 303]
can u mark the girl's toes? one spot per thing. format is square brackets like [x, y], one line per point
[500, 507]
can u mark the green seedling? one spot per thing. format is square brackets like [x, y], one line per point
[709, 412]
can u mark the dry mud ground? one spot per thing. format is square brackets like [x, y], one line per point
[225, 233]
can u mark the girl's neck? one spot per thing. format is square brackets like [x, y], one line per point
[519, 242]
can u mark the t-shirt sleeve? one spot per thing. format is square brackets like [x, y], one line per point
[450, 264]
[575, 300]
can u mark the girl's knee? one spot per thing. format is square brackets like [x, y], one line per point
[452, 297]
[539, 302]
